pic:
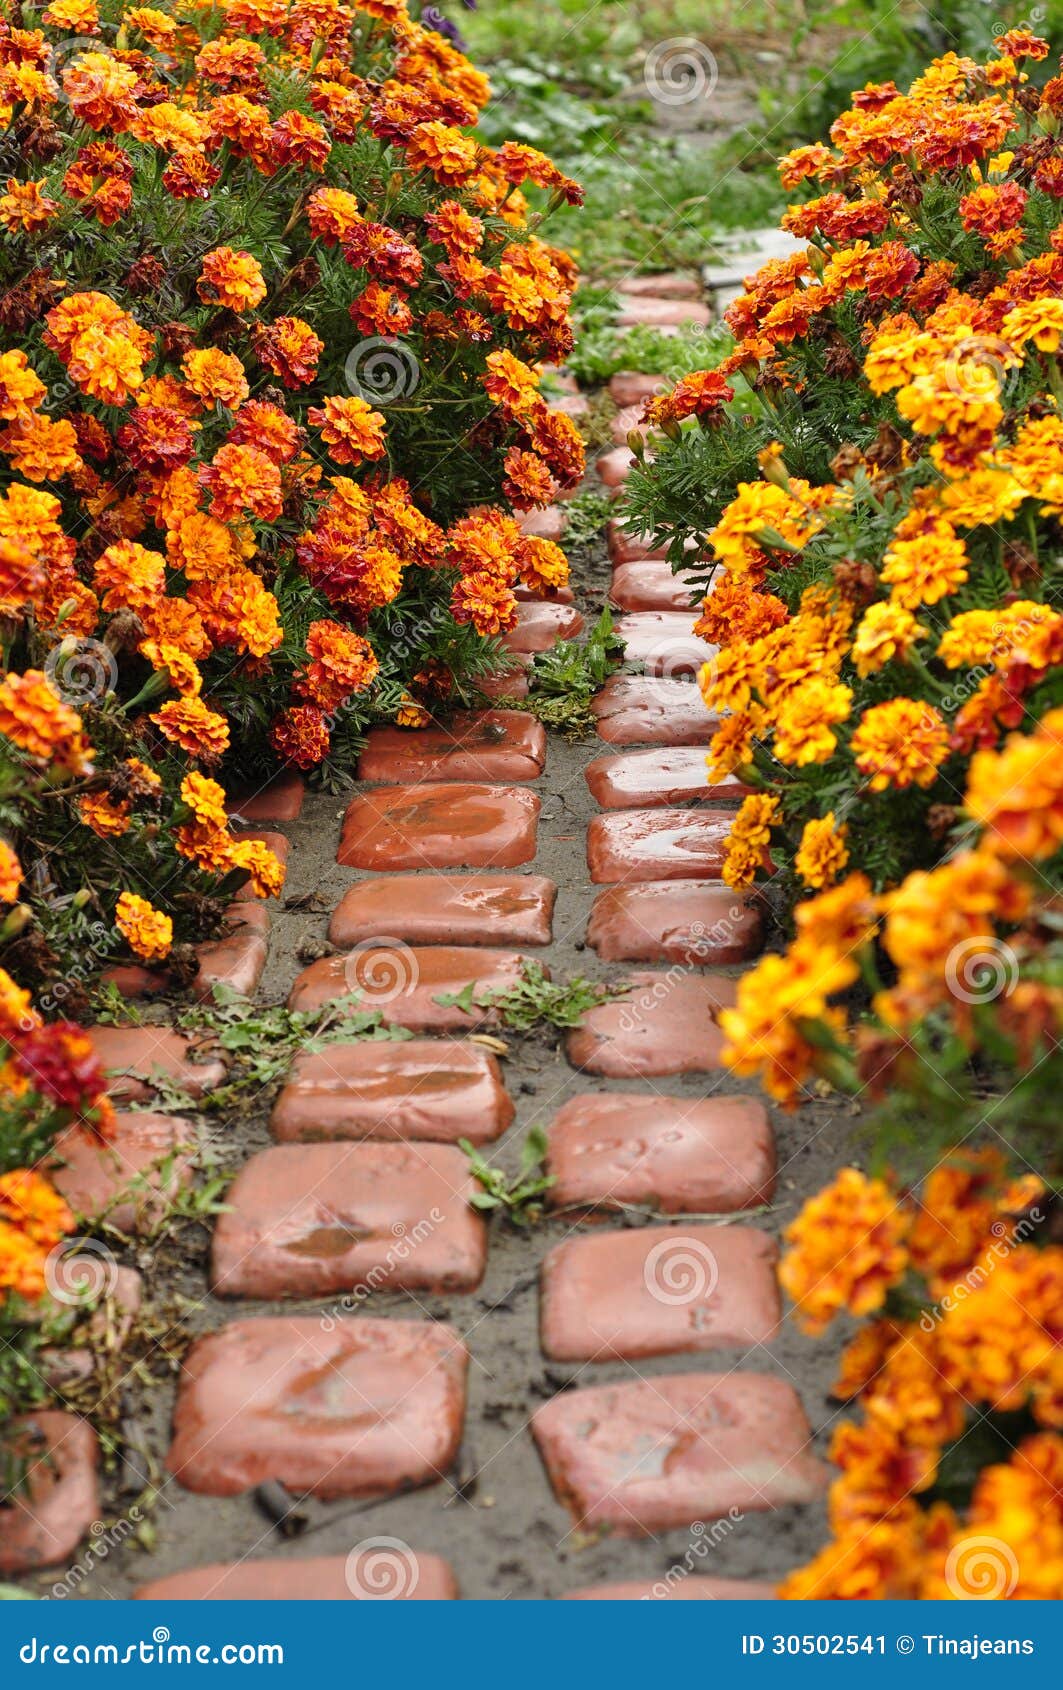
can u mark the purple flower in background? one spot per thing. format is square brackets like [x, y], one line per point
[432, 18]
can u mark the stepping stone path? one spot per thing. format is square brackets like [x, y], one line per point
[367, 1333]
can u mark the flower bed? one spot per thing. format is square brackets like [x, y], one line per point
[876, 468]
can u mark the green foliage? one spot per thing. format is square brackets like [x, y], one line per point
[603, 351]
[566, 678]
[535, 1001]
[515, 1195]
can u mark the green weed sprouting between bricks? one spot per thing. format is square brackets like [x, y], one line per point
[534, 1001]
[514, 1194]
[564, 680]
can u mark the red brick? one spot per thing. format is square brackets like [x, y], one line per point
[440, 825]
[651, 586]
[664, 642]
[557, 595]
[628, 420]
[548, 524]
[639, 710]
[328, 1406]
[43, 1523]
[403, 982]
[694, 1587]
[663, 284]
[505, 683]
[633, 387]
[663, 1290]
[663, 1025]
[473, 745]
[625, 547]
[277, 800]
[651, 1455]
[662, 844]
[674, 921]
[647, 779]
[131, 1056]
[238, 959]
[540, 624]
[433, 1089]
[277, 843]
[572, 404]
[109, 1323]
[614, 467]
[706, 1156]
[121, 1180]
[447, 909]
[384, 1569]
[660, 313]
[312, 1220]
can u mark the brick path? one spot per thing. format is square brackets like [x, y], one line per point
[368, 1339]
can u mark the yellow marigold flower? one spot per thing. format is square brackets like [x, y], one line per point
[900, 743]
[266, 870]
[846, 1250]
[840, 921]
[10, 873]
[926, 568]
[821, 855]
[763, 1030]
[231, 279]
[107, 819]
[886, 631]
[206, 799]
[40, 724]
[1039, 320]
[805, 720]
[146, 930]
[196, 729]
[1017, 793]
[749, 838]
[983, 496]
[732, 744]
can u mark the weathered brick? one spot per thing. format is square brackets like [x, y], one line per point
[663, 284]
[312, 1220]
[625, 547]
[132, 1055]
[403, 982]
[237, 959]
[43, 1523]
[389, 1571]
[473, 745]
[433, 1089]
[650, 1455]
[640, 710]
[660, 313]
[663, 1025]
[328, 1406]
[506, 683]
[540, 624]
[633, 387]
[694, 1587]
[708, 1156]
[447, 909]
[130, 1178]
[649, 586]
[628, 420]
[615, 466]
[665, 776]
[279, 799]
[664, 642]
[675, 921]
[440, 825]
[663, 1290]
[548, 524]
[661, 844]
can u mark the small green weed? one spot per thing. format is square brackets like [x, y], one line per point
[535, 1001]
[514, 1194]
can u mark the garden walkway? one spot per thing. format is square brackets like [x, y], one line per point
[603, 1403]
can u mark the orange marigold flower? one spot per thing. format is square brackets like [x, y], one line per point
[196, 729]
[301, 736]
[290, 349]
[215, 377]
[846, 1250]
[231, 279]
[822, 854]
[900, 743]
[242, 481]
[266, 870]
[128, 577]
[206, 799]
[350, 428]
[451, 156]
[145, 929]
[39, 723]
[25, 208]
[108, 818]
[10, 873]
[485, 601]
